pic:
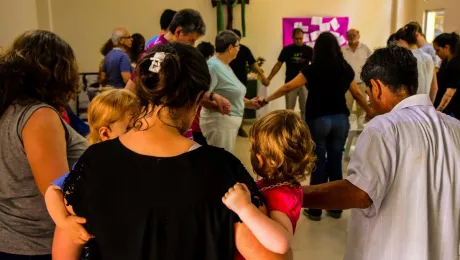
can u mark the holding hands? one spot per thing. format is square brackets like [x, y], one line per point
[238, 198]
[73, 227]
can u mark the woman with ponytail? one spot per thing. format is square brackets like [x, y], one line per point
[447, 48]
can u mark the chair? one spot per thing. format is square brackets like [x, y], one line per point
[353, 135]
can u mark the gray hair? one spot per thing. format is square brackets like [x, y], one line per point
[117, 34]
[224, 39]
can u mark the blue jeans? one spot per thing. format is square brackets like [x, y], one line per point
[5, 256]
[329, 134]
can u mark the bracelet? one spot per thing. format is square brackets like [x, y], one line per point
[264, 101]
[211, 96]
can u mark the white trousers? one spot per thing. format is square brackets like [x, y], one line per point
[219, 130]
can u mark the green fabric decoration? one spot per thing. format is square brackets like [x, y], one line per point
[243, 17]
[235, 3]
[220, 16]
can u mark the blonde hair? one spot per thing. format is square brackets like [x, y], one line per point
[107, 108]
[284, 142]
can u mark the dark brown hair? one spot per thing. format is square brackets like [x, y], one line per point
[107, 47]
[183, 75]
[38, 66]
[284, 142]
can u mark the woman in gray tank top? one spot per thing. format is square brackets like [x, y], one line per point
[38, 74]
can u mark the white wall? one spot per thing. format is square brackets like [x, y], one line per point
[451, 7]
[16, 16]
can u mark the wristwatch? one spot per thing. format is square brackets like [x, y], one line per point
[211, 96]
[264, 101]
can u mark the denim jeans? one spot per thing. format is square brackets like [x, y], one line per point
[329, 134]
[5, 256]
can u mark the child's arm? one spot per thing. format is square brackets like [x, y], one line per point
[72, 225]
[274, 233]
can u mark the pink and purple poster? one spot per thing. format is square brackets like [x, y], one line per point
[314, 26]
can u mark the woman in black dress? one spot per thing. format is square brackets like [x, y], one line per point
[152, 193]
[447, 46]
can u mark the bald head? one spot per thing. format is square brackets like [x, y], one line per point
[121, 37]
[353, 36]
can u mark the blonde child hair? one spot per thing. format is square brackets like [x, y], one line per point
[284, 143]
[107, 108]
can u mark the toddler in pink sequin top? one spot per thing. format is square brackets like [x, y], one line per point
[282, 156]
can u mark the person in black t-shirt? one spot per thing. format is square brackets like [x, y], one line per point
[447, 46]
[329, 77]
[238, 65]
[296, 56]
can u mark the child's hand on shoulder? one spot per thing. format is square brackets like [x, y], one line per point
[73, 227]
[237, 198]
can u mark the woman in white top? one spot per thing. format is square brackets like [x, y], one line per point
[427, 82]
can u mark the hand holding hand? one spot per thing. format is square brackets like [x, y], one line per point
[253, 103]
[73, 227]
[222, 104]
[266, 82]
[238, 198]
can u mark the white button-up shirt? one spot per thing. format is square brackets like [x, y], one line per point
[408, 162]
[356, 58]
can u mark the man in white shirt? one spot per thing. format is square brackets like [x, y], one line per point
[404, 176]
[356, 54]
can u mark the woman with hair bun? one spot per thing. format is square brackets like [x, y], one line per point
[447, 46]
[153, 193]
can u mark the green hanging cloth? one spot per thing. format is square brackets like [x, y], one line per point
[243, 17]
[220, 16]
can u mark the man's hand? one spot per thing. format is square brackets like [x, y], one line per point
[266, 82]
[253, 103]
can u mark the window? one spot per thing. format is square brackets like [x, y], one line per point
[434, 24]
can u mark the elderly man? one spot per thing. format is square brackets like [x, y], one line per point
[116, 70]
[356, 54]
[402, 178]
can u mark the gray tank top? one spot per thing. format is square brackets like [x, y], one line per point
[25, 226]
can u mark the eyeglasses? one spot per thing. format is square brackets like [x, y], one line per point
[236, 46]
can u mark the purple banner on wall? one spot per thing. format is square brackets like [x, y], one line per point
[314, 26]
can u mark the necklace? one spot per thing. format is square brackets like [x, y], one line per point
[286, 183]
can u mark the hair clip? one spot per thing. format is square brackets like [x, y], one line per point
[156, 62]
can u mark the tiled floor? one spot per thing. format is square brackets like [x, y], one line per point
[313, 240]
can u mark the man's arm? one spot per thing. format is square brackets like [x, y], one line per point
[259, 71]
[434, 86]
[335, 195]
[275, 70]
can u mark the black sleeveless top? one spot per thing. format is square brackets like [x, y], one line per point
[144, 207]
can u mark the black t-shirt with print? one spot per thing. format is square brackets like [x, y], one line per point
[296, 58]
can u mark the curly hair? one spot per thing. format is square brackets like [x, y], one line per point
[182, 80]
[38, 66]
[284, 142]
